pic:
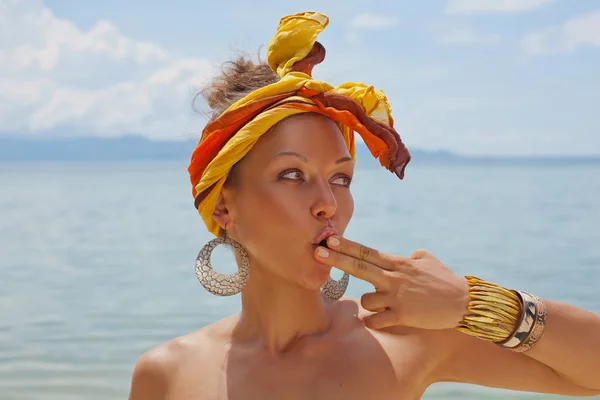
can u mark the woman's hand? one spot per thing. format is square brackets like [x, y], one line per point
[421, 292]
[417, 291]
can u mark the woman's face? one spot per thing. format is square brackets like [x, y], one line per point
[289, 187]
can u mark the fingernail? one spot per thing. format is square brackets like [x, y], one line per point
[321, 252]
[333, 241]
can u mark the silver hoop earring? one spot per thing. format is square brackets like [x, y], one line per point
[215, 282]
[336, 289]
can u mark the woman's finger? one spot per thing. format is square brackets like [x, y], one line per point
[362, 252]
[374, 302]
[382, 320]
[358, 268]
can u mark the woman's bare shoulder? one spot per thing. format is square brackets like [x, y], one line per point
[403, 346]
[157, 367]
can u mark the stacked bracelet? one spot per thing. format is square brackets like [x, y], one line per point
[539, 323]
[512, 319]
[494, 311]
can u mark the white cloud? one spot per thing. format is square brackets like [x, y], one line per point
[372, 22]
[575, 32]
[493, 6]
[465, 35]
[53, 76]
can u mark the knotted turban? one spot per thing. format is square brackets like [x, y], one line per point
[292, 53]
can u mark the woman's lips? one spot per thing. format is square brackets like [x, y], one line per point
[321, 239]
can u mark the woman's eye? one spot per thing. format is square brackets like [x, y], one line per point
[296, 175]
[343, 180]
[293, 175]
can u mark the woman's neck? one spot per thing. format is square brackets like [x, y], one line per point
[277, 313]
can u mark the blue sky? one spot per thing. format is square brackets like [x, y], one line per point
[485, 77]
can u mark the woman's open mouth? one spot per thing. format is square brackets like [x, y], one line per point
[321, 240]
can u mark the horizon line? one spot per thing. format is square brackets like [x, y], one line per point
[432, 152]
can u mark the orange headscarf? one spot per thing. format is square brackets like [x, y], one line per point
[292, 53]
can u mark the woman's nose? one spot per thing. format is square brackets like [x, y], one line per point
[324, 204]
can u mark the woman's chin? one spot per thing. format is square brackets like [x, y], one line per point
[315, 273]
[318, 276]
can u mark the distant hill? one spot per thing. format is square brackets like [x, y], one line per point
[132, 148]
[138, 148]
[92, 149]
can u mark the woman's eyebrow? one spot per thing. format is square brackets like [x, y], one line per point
[344, 159]
[301, 157]
[290, 153]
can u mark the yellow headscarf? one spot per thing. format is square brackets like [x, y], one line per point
[292, 53]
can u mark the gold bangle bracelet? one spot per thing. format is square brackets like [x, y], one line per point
[494, 311]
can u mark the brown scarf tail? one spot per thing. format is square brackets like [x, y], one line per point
[401, 157]
[397, 156]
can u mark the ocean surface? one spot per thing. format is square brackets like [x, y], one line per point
[97, 259]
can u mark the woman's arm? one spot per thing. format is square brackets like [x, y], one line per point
[421, 292]
[565, 361]
[570, 344]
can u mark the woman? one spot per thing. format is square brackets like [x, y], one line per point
[271, 177]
